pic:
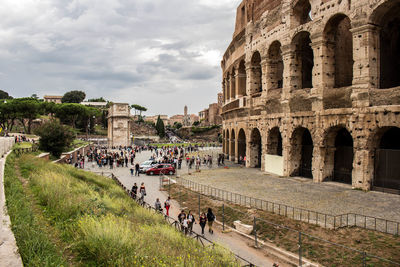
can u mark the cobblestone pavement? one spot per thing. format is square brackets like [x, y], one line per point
[230, 240]
[329, 197]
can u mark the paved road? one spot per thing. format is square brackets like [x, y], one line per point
[230, 240]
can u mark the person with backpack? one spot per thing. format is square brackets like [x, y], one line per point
[191, 221]
[167, 205]
[202, 222]
[137, 169]
[210, 219]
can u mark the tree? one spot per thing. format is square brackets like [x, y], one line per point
[177, 125]
[196, 123]
[8, 114]
[101, 99]
[4, 95]
[73, 97]
[70, 113]
[54, 137]
[160, 127]
[139, 108]
[27, 109]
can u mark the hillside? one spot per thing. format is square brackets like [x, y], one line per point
[62, 216]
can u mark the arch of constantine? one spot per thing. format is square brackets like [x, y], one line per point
[312, 88]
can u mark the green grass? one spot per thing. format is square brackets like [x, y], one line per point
[34, 245]
[97, 224]
[22, 145]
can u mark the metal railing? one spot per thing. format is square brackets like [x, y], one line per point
[176, 224]
[268, 231]
[314, 217]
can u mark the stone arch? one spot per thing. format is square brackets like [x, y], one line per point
[339, 155]
[275, 66]
[232, 146]
[303, 60]
[241, 139]
[233, 83]
[242, 78]
[223, 141]
[227, 142]
[255, 147]
[387, 152]
[301, 12]
[256, 73]
[228, 86]
[339, 42]
[387, 17]
[274, 142]
[301, 154]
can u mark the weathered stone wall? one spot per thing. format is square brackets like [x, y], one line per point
[312, 68]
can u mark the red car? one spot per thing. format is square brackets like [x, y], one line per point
[161, 168]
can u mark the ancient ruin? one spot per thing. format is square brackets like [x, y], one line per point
[312, 88]
[119, 125]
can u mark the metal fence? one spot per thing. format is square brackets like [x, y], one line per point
[314, 217]
[199, 197]
[205, 242]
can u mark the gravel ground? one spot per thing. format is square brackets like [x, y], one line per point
[331, 198]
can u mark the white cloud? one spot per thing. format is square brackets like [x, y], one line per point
[150, 52]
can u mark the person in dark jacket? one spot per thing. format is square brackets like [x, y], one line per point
[134, 190]
[210, 219]
[202, 222]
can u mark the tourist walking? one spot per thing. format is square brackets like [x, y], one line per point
[167, 205]
[191, 221]
[142, 191]
[202, 222]
[157, 205]
[137, 167]
[210, 219]
[134, 190]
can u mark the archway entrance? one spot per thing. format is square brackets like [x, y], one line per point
[241, 146]
[232, 149]
[307, 147]
[304, 60]
[387, 17]
[387, 167]
[343, 159]
[255, 149]
[256, 74]
[275, 66]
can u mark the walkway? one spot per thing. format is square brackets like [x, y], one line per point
[233, 241]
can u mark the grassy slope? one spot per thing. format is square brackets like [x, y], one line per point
[93, 222]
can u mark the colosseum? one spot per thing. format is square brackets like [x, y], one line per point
[312, 89]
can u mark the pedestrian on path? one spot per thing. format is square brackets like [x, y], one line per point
[137, 169]
[157, 205]
[167, 205]
[142, 191]
[131, 171]
[202, 222]
[134, 190]
[210, 219]
[191, 221]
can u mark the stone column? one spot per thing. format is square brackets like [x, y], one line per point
[238, 93]
[366, 55]
[264, 77]
[290, 77]
[237, 148]
[228, 89]
[363, 169]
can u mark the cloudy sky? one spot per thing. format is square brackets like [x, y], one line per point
[161, 54]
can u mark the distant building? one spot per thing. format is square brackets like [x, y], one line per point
[176, 119]
[95, 104]
[52, 98]
[153, 119]
[212, 114]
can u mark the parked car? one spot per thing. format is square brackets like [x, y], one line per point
[144, 166]
[161, 168]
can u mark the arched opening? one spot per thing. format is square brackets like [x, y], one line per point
[301, 153]
[241, 146]
[340, 50]
[275, 66]
[227, 143]
[387, 16]
[228, 87]
[256, 73]
[224, 90]
[343, 158]
[223, 142]
[304, 61]
[255, 149]
[232, 149]
[387, 167]
[242, 78]
[274, 145]
[233, 84]
[301, 12]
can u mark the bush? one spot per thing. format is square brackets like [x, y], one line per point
[54, 137]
